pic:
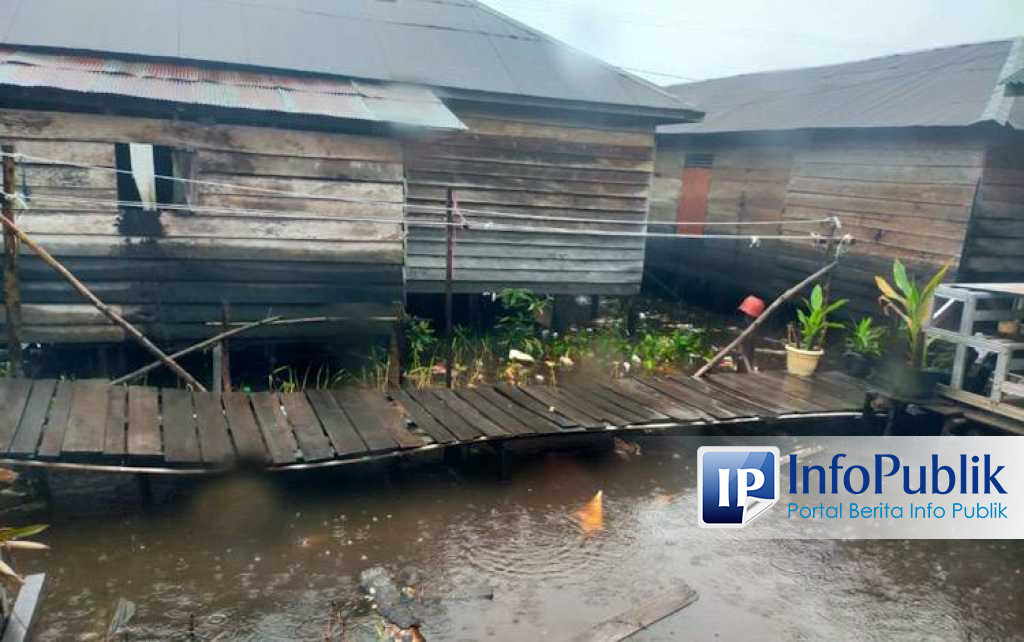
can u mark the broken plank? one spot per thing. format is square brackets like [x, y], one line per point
[30, 428]
[344, 438]
[87, 420]
[630, 622]
[181, 442]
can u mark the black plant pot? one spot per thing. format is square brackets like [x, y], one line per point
[903, 382]
[857, 365]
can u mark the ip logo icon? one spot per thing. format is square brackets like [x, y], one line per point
[735, 485]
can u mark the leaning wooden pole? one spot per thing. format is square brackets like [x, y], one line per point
[116, 318]
[782, 298]
[12, 288]
[205, 343]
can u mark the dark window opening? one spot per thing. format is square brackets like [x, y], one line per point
[165, 191]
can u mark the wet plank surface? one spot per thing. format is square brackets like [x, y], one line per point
[88, 420]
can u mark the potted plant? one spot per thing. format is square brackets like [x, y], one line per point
[863, 347]
[806, 346]
[912, 304]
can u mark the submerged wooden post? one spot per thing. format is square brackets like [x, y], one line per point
[12, 289]
[113, 316]
[449, 270]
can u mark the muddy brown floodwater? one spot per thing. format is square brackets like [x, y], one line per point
[252, 559]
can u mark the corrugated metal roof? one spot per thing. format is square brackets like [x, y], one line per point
[949, 87]
[459, 44]
[333, 98]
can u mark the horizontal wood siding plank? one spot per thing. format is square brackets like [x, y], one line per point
[531, 172]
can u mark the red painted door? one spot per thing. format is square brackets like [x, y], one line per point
[693, 200]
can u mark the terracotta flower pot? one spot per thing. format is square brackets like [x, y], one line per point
[802, 363]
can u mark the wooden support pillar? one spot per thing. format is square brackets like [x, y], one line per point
[225, 359]
[595, 306]
[396, 348]
[12, 289]
[217, 385]
[449, 273]
[629, 303]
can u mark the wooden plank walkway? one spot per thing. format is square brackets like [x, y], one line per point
[89, 422]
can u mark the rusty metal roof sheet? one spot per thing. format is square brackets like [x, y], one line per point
[948, 87]
[457, 44]
[178, 83]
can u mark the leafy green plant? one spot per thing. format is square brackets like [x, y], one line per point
[421, 340]
[865, 338]
[912, 304]
[518, 327]
[813, 320]
[657, 350]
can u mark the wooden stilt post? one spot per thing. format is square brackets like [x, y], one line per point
[449, 270]
[225, 361]
[217, 366]
[396, 348]
[12, 289]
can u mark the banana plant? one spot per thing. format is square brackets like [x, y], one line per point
[912, 304]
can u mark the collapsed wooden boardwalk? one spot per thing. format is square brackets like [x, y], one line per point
[173, 430]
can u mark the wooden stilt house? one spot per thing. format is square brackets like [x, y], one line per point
[920, 156]
[310, 149]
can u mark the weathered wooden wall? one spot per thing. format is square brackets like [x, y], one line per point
[899, 194]
[532, 167]
[748, 183]
[299, 258]
[995, 246]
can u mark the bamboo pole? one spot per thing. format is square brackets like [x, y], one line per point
[205, 343]
[782, 298]
[12, 288]
[132, 331]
